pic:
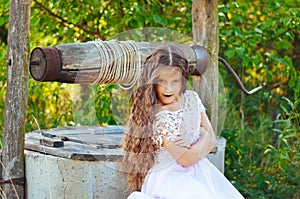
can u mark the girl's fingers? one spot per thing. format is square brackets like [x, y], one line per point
[181, 141]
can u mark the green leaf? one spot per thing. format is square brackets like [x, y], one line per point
[229, 54]
[35, 21]
[159, 20]
[240, 52]
[269, 76]
[283, 44]
[2, 21]
[257, 30]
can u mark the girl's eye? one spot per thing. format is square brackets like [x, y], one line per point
[160, 81]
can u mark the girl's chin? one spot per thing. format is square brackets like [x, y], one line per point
[168, 101]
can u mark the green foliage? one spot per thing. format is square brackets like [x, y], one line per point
[259, 39]
[103, 104]
[259, 36]
[48, 106]
[263, 158]
[104, 19]
[262, 131]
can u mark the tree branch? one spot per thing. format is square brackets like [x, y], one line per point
[69, 23]
[106, 6]
[101, 14]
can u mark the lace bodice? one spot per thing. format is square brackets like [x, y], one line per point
[185, 121]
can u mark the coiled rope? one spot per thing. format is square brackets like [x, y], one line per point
[120, 62]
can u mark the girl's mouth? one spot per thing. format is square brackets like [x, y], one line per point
[168, 95]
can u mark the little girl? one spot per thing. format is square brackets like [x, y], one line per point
[169, 135]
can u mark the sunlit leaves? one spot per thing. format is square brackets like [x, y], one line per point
[258, 40]
[259, 33]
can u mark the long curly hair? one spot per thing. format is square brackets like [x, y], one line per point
[139, 147]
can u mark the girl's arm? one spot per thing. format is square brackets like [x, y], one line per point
[188, 156]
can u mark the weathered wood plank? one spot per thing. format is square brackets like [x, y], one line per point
[79, 144]
[102, 141]
[51, 142]
[76, 151]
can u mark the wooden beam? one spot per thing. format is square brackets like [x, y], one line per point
[80, 62]
[206, 33]
[16, 99]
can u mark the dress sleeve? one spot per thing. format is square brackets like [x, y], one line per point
[198, 102]
[164, 128]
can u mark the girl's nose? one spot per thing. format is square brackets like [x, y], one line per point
[169, 89]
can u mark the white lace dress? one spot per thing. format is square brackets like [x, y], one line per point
[168, 179]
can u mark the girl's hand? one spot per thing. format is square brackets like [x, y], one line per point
[181, 141]
[203, 130]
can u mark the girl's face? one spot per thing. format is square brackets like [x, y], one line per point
[169, 84]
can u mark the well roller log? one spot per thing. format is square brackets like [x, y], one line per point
[80, 62]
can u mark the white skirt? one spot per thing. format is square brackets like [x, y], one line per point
[199, 181]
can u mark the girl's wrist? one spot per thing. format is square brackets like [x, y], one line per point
[165, 143]
[203, 132]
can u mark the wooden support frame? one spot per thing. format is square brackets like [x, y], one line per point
[206, 33]
[16, 99]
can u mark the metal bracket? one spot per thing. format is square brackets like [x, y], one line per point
[201, 60]
[45, 64]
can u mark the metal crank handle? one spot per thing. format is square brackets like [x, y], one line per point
[236, 77]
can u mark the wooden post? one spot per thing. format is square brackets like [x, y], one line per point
[206, 34]
[13, 182]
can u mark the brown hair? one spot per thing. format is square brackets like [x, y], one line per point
[139, 148]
